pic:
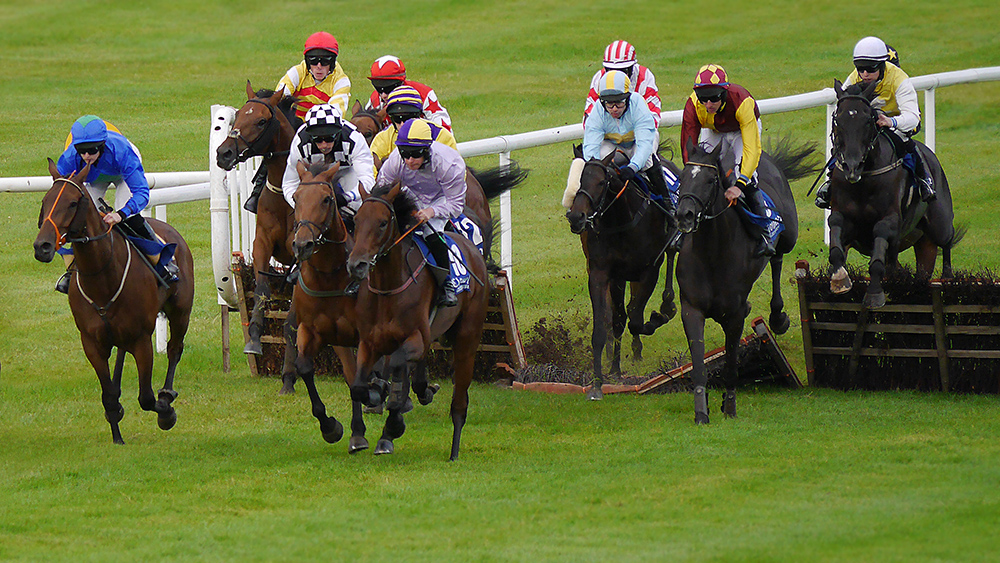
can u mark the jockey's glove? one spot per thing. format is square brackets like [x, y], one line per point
[626, 172]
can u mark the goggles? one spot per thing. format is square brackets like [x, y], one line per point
[411, 152]
[325, 139]
[325, 60]
[89, 148]
[399, 118]
[708, 97]
[867, 67]
[384, 88]
[614, 105]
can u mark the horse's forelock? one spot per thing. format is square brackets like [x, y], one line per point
[405, 205]
[264, 93]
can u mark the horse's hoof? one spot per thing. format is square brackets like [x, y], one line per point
[779, 323]
[377, 409]
[840, 281]
[357, 444]
[167, 422]
[595, 393]
[383, 447]
[700, 418]
[428, 395]
[874, 300]
[729, 404]
[287, 389]
[253, 348]
[332, 430]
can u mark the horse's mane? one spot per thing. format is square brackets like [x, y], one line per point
[404, 205]
[854, 90]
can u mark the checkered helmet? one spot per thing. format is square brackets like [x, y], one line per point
[323, 119]
[711, 75]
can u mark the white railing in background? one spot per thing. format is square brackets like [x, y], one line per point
[233, 228]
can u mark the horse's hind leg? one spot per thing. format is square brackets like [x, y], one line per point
[618, 321]
[179, 318]
[421, 388]
[466, 343]
[926, 254]
[667, 307]
[288, 364]
[733, 328]
[111, 390]
[399, 392]
[778, 319]
[261, 293]
[598, 286]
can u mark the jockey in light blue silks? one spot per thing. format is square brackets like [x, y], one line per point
[113, 159]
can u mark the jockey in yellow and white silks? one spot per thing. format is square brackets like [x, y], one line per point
[318, 79]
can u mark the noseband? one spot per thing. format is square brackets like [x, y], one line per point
[257, 146]
[63, 238]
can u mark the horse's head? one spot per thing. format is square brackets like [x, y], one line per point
[701, 183]
[366, 121]
[597, 180]
[376, 227]
[854, 128]
[317, 216]
[255, 128]
[64, 212]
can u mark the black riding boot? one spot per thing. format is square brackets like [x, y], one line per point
[823, 195]
[259, 179]
[758, 207]
[923, 178]
[658, 185]
[137, 226]
[442, 272]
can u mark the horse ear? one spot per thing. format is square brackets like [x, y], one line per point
[869, 91]
[689, 147]
[275, 98]
[79, 178]
[250, 94]
[396, 188]
[356, 108]
[300, 167]
[716, 152]
[53, 170]
[838, 88]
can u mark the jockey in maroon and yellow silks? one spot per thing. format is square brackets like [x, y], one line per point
[739, 112]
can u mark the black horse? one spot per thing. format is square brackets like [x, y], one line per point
[715, 266]
[874, 208]
[623, 233]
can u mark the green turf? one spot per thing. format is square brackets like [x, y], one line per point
[808, 475]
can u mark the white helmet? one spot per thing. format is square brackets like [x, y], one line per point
[871, 49]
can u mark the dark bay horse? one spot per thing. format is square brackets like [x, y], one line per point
[873, 207]
[114, 297]
[396, 317]
[366, 121]
[261, 129]
[715, 266]
[624, 238]
[325, 315]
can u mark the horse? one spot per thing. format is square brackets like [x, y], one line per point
[715, 265]
[624, 237]
[325, 314]
[872, 205]
[366, 121]
[114, 299]
[396, 317]
[261, 129]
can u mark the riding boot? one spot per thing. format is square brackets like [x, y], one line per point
[922, 175]
[259, 179]
[759, 207]
[658, 185]
[137, 225]
[62, 286]
[447, 285]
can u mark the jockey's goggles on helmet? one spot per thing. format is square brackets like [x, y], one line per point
[89, 148]
[707, 95]
[385, 86]
[412, 152]
[325, 60]
[400, 118]
[870, 67]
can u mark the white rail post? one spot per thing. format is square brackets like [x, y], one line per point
[506, 238]
[930, 119]
[218, 207]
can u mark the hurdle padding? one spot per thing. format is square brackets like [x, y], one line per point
[501, 341]
[932, 335]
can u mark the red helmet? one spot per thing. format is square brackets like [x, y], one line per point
[322, 40]
[711, 75]
[388, 67]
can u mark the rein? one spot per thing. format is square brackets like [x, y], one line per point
[318, 231]
[600, 208]
[702, 205]
[837, 158]
[257, 146]
[384, 251]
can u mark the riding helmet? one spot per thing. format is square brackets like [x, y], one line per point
[403, 100]
[89, 129]
[614, 86]
[619, 55]
[322, 120]
[321, 41]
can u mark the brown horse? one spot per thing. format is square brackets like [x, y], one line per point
[114, 298]
[395, 316]
[323, 311]
[366, 121]
[261, 129]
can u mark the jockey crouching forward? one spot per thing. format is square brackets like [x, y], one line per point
[896, 102]
[325, 137]
[318, 79]
[718, 112]
[434, 174]
[622, 121]
[113, 159]
[402, 105]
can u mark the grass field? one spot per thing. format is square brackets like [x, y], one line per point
[809, 475]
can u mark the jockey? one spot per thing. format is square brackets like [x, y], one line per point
[620, 55]
[388, 72]
[622, 121]
[896, 102]
[401, 105]
[318, 79]
[718, 112]
[326, 137]
[434, 174]
[113, 159]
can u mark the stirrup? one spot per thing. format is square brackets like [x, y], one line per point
[448, 297]
[927, 193]
[676, 240]
[170, 272]
[823, 196]
[764, 247]
[62, 285]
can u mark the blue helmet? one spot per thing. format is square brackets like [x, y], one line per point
[89, 129]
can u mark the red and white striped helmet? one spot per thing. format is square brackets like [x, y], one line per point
[619, 55]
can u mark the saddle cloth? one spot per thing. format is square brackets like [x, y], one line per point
[459, 271]
[158, 253]
[771, 221]
[469, 228]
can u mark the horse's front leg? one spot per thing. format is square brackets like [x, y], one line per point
[641, 291]
[166, 416]
[618, 321]
[840, 281]
[597, 284]
[291, 351]
[694, 329]
[308, 345]
[398, 366]
[886, 233]
[111, 391]
[363, 389]
[358, 442]
[667, 307]
[261, 293]
[733, 328]
[778, 319]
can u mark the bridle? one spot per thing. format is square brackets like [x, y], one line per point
[258, 145]
[63, 238]
[387, 244]
[871, 128]
[318, 231]
[601, 205]
[703, 206]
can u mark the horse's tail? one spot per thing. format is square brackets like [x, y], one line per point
[794, 161]
[496, 181]
[491, 264]
[960, 230]
[666, 147]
